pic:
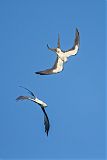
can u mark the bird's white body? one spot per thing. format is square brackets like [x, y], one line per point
[59, 66]
[38, 101]
[62, 56]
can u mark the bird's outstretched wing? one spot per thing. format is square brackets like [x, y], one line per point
[58, 67]
[28, 91]
[46, 121]
[75, 48]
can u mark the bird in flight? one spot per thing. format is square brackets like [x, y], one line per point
[62, 56]
[39, 102]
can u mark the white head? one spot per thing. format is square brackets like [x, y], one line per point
[58, 50]
[44, 104]
[41, 103]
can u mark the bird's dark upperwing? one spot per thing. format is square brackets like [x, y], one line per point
[22, 98]
[58, 67]
[75, 48]
[45, 72]
[46, 121]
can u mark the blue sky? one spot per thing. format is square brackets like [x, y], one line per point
[75, 97]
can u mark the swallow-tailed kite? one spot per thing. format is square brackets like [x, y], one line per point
[62, 56]
[42, 105]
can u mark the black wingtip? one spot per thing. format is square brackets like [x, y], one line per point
[36, 72]
[76, 29]
[77, 32]
[28, 91]
[47, 133]
[47, 46]
[40, 73]
[58, 43]
[77, 38]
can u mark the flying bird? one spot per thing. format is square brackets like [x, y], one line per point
[39, 102]
[62, 56]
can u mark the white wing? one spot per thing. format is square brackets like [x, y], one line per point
[73, 51]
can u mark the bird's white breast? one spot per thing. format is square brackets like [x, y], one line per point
[59, 66]
[62, 56]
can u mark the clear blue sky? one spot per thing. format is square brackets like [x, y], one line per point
[75, 97]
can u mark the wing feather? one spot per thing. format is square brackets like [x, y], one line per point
[58, 44]
[58, 67]
[75, 48]
[28, 91]
[46, 121]
[22, 98]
